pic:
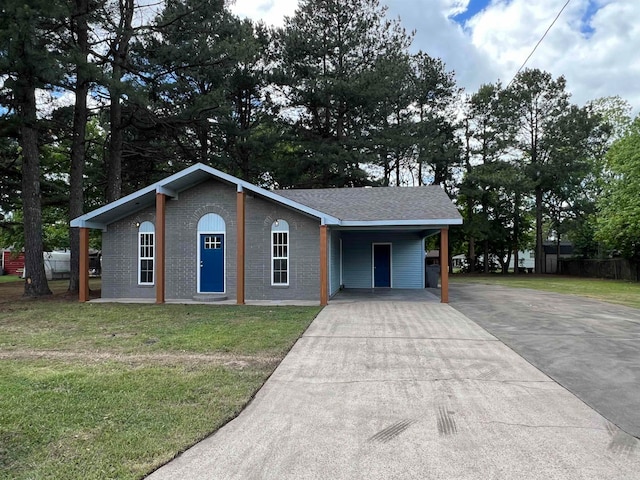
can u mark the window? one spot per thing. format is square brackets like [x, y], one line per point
[146, 253]
[212, 242]
[280, 253]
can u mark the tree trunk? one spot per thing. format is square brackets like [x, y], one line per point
[114, 164]
[539, 245]
[486, 256]
[78, 146]
[471, 257]
[36, 280]
[557, 272]
[120, 51]
[516, 229]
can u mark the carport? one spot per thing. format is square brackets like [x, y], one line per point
[377, 259]
[378, 241]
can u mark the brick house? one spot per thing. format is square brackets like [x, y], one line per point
[205, 234]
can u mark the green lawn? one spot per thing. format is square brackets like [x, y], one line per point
[10, 278]
[94, 391]
[612, 291]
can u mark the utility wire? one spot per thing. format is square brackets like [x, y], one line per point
[539, 42]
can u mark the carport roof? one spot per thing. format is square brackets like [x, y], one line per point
[426, 204]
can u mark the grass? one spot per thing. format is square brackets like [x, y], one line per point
[114, 391]
[9, 278]
[612, 291]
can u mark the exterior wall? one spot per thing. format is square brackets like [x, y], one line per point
[304, 253]
[407, 258]
[334, 262]
[12, 265]
[120, 244]
[120, 258]
[182, 241]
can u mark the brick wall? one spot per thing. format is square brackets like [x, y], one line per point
[120, 256]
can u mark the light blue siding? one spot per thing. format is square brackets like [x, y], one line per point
[407, 258]
[334, 262]
[211, 222]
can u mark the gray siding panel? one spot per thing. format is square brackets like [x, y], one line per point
[407, 258]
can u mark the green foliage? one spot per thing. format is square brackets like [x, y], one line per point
[334, 73]
[618, 224]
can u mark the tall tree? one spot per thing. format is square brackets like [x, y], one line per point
[435, 93]
[538, 101]
[80, 38]
[119, 24]
[618, 224]
[206, 71]
[29, 59]
[328, 55]
[490, 182]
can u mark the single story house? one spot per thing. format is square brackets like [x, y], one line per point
[202, 233]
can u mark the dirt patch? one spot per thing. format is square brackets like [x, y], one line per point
[13, 293]
[225, 360]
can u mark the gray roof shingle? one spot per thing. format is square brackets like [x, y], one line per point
[378, 203]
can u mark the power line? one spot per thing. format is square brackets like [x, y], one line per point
[539, 42]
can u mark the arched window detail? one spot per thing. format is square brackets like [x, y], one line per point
[146, 253]
[211, 222]
[280, 253]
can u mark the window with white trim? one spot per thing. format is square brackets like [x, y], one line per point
[280, 253]
[146, 253]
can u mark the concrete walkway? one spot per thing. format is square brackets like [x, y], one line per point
[409, 390]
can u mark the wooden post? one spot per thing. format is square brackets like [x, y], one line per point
[240, 261]
[324, 287]
[84, 265]
[161, 200]
[444, 265]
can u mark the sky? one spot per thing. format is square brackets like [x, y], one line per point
[595, 44]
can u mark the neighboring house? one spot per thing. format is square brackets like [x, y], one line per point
[205, 234]
[11, 262]
[526, 259]
[550, 248]
[458, 261]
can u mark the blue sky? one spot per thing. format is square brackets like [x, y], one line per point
[594, 43]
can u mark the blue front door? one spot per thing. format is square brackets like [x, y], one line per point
[381, 265]
[212, 262]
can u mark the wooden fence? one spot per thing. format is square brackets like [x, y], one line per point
[612, 268]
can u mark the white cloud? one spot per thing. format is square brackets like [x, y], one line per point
[594, 43]
[598, 54]
[271, 12]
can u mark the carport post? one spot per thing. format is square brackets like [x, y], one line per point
[444, 265]
[83, 294]
[324, 294]
[240, 217]
[161, 200]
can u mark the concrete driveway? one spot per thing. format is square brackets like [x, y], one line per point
[591, 348]
[395, 389]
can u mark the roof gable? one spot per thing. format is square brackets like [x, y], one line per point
[172, 186]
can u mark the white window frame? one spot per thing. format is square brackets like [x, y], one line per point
[146, 231]
[280, 227]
